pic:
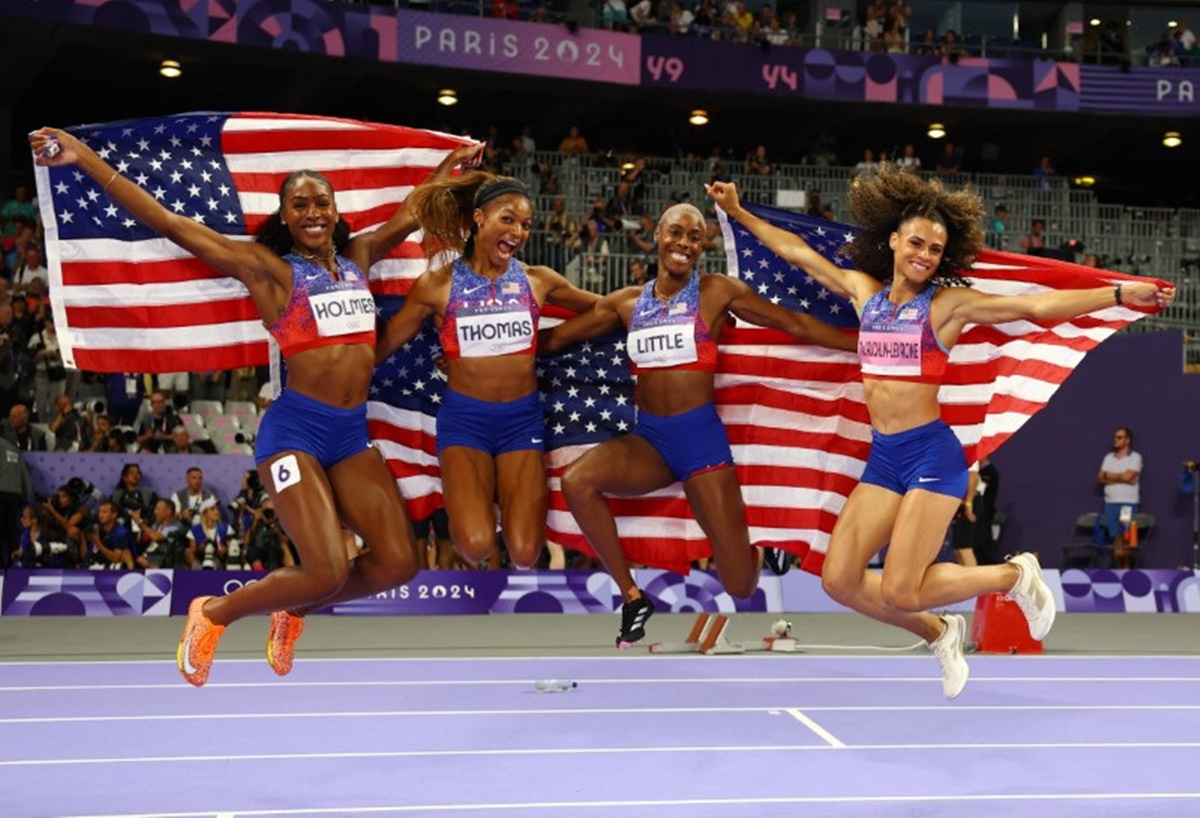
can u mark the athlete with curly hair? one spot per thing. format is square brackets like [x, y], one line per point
[916, 235]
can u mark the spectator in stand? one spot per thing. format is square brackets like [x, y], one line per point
[908, 159]
[1045, 174]
[644, 16]
[614, 15]
[867, 166]
[123, 393]
[130, 494]
[1035, 239]
[72, 432]
[998, 234]
[775, 34]
[506, 9]
[894, 41]
[267, 544]
[209, 386]
[211, 542]
[191, 497]
[12, 343]
[181, 443]
[951, 48]
[637, 272]
[66, 518]
[18, 431]
[757, 163]
[18, 207]
[109, 543]
[929, 45]
[950, 161]
[155, 431]
[559, 227]
[573, 143]
[31, 266]
[33, 548]
[681, 19]
[49, 374]
[106, 439]
[163, 541]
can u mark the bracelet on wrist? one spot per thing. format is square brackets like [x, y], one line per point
[1117, 294]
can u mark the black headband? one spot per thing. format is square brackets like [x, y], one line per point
[498, 189]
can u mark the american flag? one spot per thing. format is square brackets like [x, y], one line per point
[128, 300]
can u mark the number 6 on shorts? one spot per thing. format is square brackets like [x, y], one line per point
[285, 472]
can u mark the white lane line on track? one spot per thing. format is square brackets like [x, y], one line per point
[689, 802]
[841, 680]
[583, 751]
[826, 736]
[358, 714]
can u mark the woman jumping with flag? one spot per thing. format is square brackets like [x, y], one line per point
[486, 305]
[915, 238]
[674, 324]
[306, 277]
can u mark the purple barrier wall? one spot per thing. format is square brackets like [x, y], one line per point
[1048, 469]
[163, 593]
[164, 473]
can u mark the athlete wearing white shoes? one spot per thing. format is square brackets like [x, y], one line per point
[915, 236]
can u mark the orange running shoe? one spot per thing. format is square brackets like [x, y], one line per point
[281, 641]
[198, 644]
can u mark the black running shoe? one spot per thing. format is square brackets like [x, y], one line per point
[778, 561]
[634, 616]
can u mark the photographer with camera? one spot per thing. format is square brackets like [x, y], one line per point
[109, 543]
[72, 432]
[154, 432]
[163, 543]
[267, 544]
[66, 519]
[34, 548]
[130, 494]
[212, 543]
[189, 499]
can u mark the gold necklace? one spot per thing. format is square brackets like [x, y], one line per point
[325, 259]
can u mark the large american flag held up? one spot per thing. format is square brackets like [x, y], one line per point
[126, 300]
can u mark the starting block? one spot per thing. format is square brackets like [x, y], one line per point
[708, 637]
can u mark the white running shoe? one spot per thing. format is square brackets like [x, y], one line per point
[948, 648]
[1032, 595]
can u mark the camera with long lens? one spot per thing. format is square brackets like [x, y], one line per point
[209, 561]
[233, 554]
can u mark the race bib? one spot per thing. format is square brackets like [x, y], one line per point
[496, 333]
[663, 345]
[343, 312]
[891, 353]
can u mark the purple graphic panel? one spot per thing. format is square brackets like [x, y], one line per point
[86, 593]
[1141, 591]
[1142, 90]
[190, 584]
[673, 62]
[484, 44]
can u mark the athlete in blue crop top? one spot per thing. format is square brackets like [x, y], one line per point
[312, 450]
[486, 305]
[674, 323]
[917, 235]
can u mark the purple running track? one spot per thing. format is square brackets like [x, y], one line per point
[686, 737]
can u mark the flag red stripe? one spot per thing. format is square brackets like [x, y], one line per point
[171, 360]
[164, 316]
